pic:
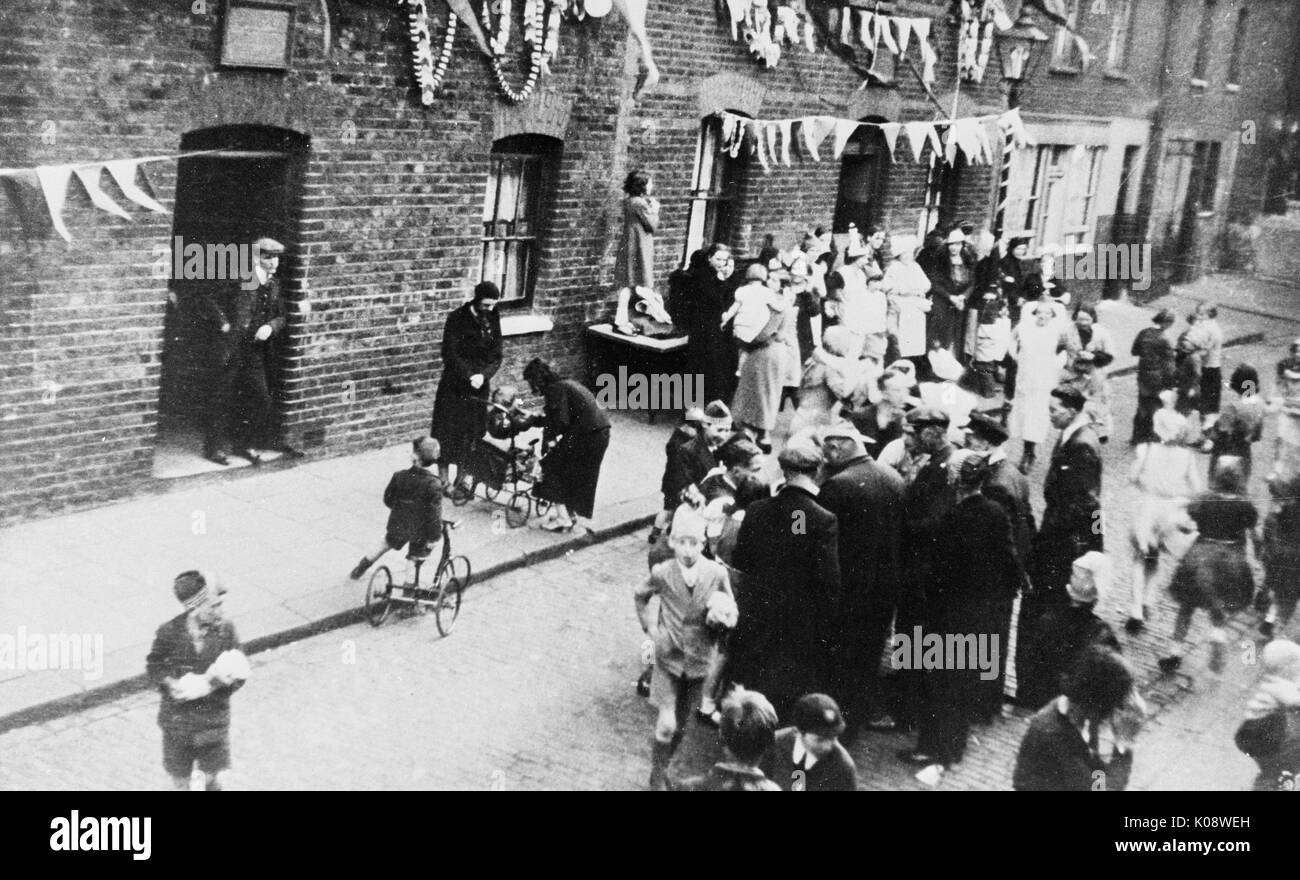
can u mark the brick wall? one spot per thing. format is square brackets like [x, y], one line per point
[385, 237]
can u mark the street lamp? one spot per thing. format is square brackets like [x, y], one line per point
[1018, 52]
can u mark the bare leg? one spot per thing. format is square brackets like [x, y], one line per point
[634, 13]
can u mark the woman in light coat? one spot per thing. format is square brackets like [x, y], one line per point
[908, 288]
[1093, 351]
[1036, 345]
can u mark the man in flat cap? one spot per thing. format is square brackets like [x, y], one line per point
[867, 500]
[249, 318]
[788, 586]
[926, 501]
[808, 755]
[1072, 523]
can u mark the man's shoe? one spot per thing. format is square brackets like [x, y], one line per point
[1169, 665]
[253, 458]
[654, 534]
[217, 458]
[1134, 625]
[1266, 628]
[289, 451]
[360, 569]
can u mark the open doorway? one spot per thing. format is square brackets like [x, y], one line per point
[250, 186]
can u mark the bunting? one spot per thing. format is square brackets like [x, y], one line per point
[968, 136]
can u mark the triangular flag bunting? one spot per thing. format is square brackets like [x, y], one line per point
[786, 125]
[904, 33]
[123, 171]
[844, 129]
[814, 130]
[916, 136]
[54, 186]
[890, 130]
[89, 177]
[770, 130]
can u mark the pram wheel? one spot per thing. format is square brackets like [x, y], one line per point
[517, 510]
[541, 506]
[491, 492]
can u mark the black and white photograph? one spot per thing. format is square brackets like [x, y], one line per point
[650, 395]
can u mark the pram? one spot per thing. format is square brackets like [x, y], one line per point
[507, 469]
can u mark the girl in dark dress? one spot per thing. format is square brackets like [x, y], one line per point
[1215, 574]
[576, 431]
[471, 356]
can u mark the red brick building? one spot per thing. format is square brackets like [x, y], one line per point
[391, 210]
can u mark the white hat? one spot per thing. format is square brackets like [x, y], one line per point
[688, 523]
[856, 249]
[956, 236]
[902, 243]
[1091, 578]
[944, 365]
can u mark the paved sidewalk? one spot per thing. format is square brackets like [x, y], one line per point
[284, 540]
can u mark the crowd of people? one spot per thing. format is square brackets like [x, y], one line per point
[898, 511]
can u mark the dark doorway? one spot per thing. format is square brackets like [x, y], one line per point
[250, 187]
[862, 180]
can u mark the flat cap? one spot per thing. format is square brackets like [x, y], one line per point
[924, 416]
[818, 714]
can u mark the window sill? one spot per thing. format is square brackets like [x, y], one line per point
[1063, 70]
[525, 323]
[1203, 215]
[1199, 84]
[1117, 74]
[1232, 87]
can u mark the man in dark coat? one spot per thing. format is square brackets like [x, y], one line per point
[246, 318]
[1156, 371]
[1072, 522]
[196, 662]
[976, 575]
[867, 500]
[926, 501]
[789, 586]
[1009, 488]
[471, 356]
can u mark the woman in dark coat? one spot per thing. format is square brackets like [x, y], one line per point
[1215, 574]
[952, 279]
[576, 431]
[707, 293]
[471, 356]
[976, 576]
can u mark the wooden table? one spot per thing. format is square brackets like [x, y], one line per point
[608, 351]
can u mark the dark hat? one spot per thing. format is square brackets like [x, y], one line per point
[717, 413]
[1071, 397]
[187, 585]
[486, 290]
[818, 714]
[987, 428]
[925, 416]
[1164, 317]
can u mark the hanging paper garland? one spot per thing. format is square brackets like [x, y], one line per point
[428, 73]
[541, 32]
[975, 37]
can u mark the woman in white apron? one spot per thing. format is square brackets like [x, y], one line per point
[1036, 346]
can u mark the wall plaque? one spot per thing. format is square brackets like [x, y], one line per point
[257, 33]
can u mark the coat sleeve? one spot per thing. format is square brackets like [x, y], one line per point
[158, 665]
[432, 510]
[390, 492]
[454, 361]
[558, 415]
[277, 319]
[646, 213]
[827, 560]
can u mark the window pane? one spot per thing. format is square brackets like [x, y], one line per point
[508, 199]
[490, 194]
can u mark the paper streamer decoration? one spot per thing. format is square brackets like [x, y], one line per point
[844, 129]
[89, 177]
[916, 135]
[786, 126]
[890, 130]
[54, 186]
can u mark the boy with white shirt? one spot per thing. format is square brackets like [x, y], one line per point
[684, 642]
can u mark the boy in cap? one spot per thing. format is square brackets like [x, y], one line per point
[196, 663]
[690, 462]
[414, 497]
[691, 427]
[808, 756]
[683, 640]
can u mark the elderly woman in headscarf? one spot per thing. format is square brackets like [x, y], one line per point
[1215, 574]
[1271, 731]
[832, 374]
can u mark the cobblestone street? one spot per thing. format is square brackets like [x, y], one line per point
[534, 691]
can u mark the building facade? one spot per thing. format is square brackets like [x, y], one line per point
[391, 210]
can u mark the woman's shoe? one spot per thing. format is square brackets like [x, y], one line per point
[1134, 625]
[1169, 665]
